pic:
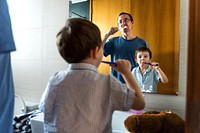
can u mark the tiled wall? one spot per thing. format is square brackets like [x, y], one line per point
[35, 24]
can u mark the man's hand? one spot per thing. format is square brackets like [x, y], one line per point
[113, 30]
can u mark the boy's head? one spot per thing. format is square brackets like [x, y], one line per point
[77, 38]
[143, 54]
[143, 49]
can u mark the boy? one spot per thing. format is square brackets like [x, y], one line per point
[79, 99]
[147, 74]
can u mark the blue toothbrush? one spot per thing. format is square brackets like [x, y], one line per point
[148, 63]
[111, 63]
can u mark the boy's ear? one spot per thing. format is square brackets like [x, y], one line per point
[136, 60]
[94, 52]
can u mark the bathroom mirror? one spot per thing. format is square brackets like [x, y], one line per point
[156, 21]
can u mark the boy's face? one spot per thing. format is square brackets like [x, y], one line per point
[142, 57]
[100, 54]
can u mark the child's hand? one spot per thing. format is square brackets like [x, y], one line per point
[123, 66]
[112, 30]
[155, 65]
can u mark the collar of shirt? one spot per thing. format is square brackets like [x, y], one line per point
[82, 66]
[146, 71]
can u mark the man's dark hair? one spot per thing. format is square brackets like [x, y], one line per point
[125, 13]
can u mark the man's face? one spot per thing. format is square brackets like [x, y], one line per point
[124, 23]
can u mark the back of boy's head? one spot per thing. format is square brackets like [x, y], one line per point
[143, 49]
[77, 38]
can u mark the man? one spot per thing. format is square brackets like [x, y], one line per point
[6, 80]
[124, 46]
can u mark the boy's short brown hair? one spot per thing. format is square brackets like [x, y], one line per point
[77, 38]
[143, 49]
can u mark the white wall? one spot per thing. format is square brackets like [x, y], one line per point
[35, 24]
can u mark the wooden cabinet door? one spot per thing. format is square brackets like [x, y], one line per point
[105, 14]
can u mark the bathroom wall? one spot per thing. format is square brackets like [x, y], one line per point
[35, 24]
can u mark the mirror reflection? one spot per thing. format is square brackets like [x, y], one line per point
[157, 22]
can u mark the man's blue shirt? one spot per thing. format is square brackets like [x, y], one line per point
[119, 48]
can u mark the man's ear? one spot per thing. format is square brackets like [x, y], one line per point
[94, 52]
[132, 22]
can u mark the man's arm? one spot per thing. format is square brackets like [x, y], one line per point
[111, 31]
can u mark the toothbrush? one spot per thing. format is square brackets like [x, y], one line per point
[111, 63]
[148, 63]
